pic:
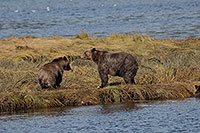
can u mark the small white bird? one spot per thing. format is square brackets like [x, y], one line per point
[115, 5]
[16, 10]
[33, 11]
[48, 8]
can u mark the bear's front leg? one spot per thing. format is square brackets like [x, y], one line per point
[104, 77]
[104, 80]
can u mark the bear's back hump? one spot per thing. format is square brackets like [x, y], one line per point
[49, 67]
[120, 57]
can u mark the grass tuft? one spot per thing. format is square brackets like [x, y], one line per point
[82, 36]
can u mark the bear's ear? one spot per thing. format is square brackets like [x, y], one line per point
[65, 58]
[93, 49]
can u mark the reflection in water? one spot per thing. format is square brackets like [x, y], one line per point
[128, 107]
[166, 116]
[104, 109]
[60, 111]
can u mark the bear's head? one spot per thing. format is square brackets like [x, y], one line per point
[63, 62]
[87, 55]
[66, 63]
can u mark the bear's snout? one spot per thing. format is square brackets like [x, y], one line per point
[67, 67]
[84, 57]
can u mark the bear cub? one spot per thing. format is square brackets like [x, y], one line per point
[116, 64]
[50, 74]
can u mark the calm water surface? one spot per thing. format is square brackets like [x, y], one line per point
[163, 117]
[177, 19]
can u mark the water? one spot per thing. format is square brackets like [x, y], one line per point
[164, 117]
[161, 19]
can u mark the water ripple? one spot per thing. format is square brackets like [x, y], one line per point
[160, 19]
[165, 117]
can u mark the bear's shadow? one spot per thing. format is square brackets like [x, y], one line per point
[115, 83]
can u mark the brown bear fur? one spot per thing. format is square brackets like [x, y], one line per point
[50, 74]
[116, 64]
[197, 93]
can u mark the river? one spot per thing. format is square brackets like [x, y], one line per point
[172, 116]
[160, 19]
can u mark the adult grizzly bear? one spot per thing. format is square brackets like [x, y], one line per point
[50, 74]
[116, 64]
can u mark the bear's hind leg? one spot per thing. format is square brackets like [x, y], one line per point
[129, 79]
[132, 80]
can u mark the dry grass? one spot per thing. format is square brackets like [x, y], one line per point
[167, 70]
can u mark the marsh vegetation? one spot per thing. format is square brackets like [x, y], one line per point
[168, 69]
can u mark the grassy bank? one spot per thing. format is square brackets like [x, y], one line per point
[168, 69]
